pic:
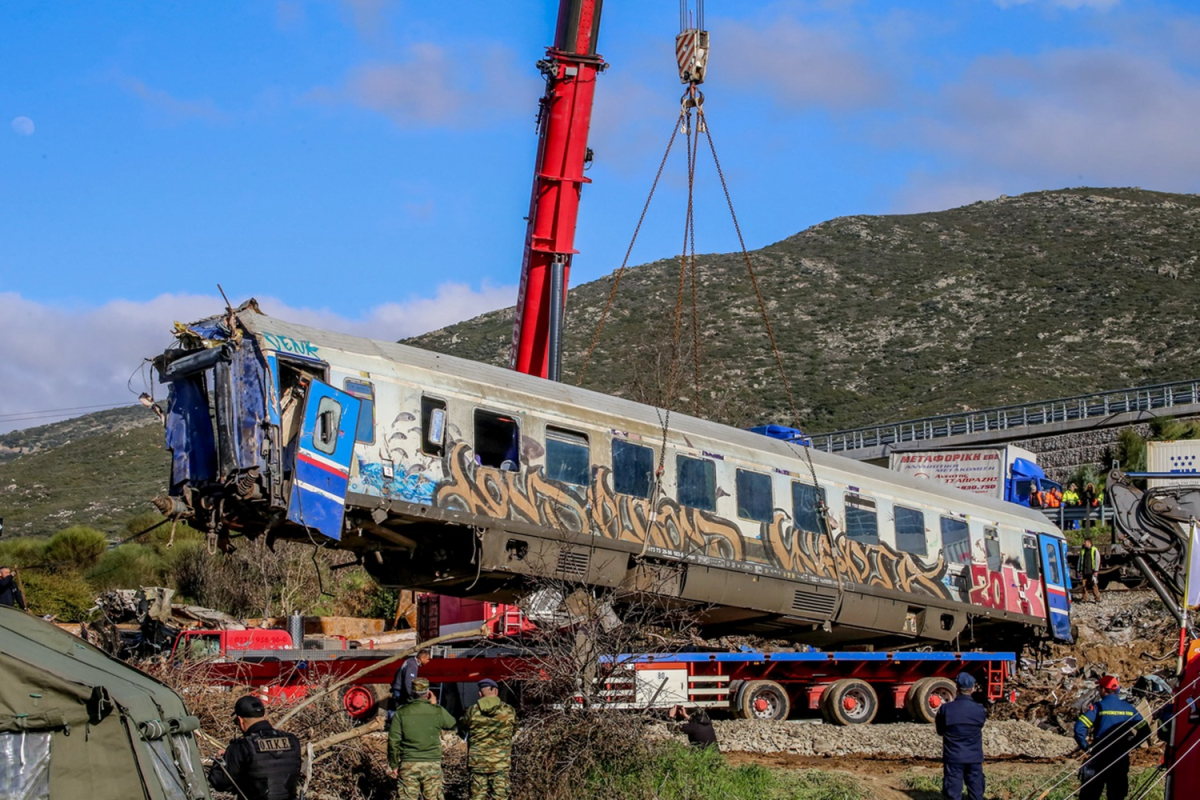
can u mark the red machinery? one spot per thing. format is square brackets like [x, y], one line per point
[570, 69]
[564, 117]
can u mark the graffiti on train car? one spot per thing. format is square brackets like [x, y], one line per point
[524, 496]
[671, 527]
[666, 525]
[803, 551]
[405, 482]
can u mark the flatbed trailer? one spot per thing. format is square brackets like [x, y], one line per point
[846, 687]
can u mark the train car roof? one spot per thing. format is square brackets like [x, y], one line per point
[542, 390]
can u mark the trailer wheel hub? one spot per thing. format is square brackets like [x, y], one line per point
[761, 705]
[849, 703]
[358, 701]
[935, 701]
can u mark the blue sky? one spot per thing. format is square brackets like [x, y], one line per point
[366, 164]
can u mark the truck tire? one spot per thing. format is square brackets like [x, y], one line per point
[849, 702]
[926, 696]
[764, 700]
[363, 702]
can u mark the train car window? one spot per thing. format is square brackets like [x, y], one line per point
[696, 479]
[991, 539]
[329, 419]
[433, 426]
[806, 507]
[567, 456]
[1052, 572]
[365, 392]
[633, 468]
[862, 523]
[956, 541]
[1030, 553]
[910, 531]
[497, 441]
[754, 500]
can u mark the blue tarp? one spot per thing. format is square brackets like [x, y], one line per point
[783, 432]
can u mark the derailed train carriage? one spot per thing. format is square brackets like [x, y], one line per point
[465, 479]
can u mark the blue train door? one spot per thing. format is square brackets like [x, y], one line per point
[321, 473]
[1058, 585]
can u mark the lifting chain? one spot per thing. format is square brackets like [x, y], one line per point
[691, 49]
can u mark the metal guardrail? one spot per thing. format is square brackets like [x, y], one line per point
[1046, 412]
[1077, 516]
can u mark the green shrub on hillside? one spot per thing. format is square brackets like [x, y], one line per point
[1130, 451]
[154, 530]
[76, 548]
[129, 566]
[358, 595]
[65, 595]
[23, 551]
[1170, 429]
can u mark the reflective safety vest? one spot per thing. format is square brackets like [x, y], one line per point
[1071, 498]
[1102, 718]
[1089, 560]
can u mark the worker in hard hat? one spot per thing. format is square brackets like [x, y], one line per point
[960, 724]
[1114, 728]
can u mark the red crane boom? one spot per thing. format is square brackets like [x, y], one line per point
[565, 113]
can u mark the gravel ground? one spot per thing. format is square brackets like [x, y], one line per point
[895, 740]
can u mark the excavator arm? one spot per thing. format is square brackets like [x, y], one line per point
[1152, 528]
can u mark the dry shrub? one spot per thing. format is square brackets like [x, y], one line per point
[354, 770]
[558, 755]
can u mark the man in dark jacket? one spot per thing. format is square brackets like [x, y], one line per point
[402, 684]
[263, 764]
[960, 724]
[697, 728]
[488, 727]
[10, 590]
[415, 744]
[1116, 727]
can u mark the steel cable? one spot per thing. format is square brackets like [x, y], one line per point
[1046, 788]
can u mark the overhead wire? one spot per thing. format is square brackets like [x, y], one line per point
[1105, 746]
[48, 412]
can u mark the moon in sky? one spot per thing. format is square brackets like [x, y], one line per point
[23, 126]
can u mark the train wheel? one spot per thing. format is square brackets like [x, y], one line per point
[764, 700]
[926, 696]
[849, 702]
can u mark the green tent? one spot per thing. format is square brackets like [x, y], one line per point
[75, 723]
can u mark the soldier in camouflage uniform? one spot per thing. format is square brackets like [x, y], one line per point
[488, 727]
[415, 744]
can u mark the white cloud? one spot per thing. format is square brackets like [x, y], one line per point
[1073, 5]
[430, 87]
[54, 357]
[800, 64]
[23, 126]
[926, 192]
[1079, 117]
[169, 106]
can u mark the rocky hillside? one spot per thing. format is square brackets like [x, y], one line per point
[47, 437]
[879, 319]
[891, 317]
[97, 470]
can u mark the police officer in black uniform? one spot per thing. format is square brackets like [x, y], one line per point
[263, 764]
[960, 724]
